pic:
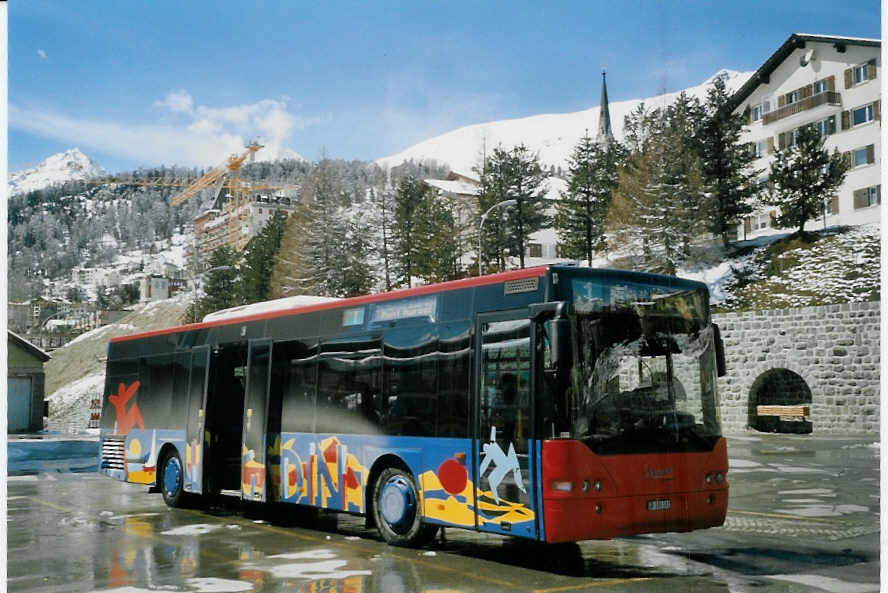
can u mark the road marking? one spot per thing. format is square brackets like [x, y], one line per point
[606, 583]
[780, 516]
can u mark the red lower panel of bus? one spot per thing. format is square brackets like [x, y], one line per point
[589, 496]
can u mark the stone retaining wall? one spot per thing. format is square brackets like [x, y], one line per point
[833, 348]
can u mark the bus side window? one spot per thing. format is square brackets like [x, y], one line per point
[297, 364]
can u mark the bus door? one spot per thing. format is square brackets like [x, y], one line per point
[503, 449]
[194, 430]
[253, 460]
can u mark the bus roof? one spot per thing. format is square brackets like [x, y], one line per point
[350, 302]
[538, 271]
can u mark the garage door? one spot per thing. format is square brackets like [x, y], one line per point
[19, 399]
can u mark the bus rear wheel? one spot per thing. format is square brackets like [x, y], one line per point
[397, 512]
[172, 480]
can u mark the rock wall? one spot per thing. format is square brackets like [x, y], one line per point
[834, 349]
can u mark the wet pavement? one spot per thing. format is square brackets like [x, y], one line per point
[803, 516]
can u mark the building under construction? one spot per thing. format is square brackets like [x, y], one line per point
[222, 225]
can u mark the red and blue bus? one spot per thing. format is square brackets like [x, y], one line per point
[556, 403]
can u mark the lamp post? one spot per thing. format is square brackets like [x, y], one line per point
[504, 203]
[194, 281]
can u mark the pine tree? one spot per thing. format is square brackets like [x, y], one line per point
[660, 188]
[441, 240]
[324, 229]
[220, 284]
[408, 227]
[805, 176]
[383, 200]
[512, 175]
[581, 214]
[726, 165]
[259, 257]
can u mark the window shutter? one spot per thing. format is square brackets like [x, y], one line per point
[847, 156]
[876, 110]
[849, 82]
[846, 120]
[747, 225]
[770, 144]
[772, 216]
[834, 205]
[879, 194]
[859, 198]
[748, 114]
[809, 91]
[871, 154]
[781, 101]
[781, 141]
[831, 82]
[832, 124]
[871, 69]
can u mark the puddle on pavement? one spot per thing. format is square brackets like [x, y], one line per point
[769, 561]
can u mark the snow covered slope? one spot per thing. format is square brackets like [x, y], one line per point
[64, 166]
[553, 135]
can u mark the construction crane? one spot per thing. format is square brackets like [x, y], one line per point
[238, 192]
[214, 175]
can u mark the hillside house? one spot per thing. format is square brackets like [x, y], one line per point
[832, 83]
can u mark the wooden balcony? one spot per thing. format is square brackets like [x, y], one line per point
[827, 97]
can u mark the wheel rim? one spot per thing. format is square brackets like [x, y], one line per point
[172, 476]
[397, 503]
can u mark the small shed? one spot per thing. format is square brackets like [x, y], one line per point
[25, 384]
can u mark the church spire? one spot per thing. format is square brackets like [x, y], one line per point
[605, 134]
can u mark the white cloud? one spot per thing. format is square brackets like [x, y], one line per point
[41, 53]
[177, 101]
[203, 136]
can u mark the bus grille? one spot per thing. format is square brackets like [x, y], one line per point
[113, 453]
[521, 285]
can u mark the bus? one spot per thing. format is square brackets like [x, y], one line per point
[555, 403]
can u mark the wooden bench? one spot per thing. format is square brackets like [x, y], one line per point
[785, 412]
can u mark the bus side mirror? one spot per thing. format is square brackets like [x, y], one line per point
[721, 366]
[559, 330]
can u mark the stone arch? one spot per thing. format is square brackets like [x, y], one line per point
[779, 386]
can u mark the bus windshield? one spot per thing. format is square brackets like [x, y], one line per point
[643, 377]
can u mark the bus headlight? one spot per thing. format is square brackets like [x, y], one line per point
[597, 485]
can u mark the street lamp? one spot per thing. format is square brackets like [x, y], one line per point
[480, 226]
[194, 281]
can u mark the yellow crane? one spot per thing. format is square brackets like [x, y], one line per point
[237, 194]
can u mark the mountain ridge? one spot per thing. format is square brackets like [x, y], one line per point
[70, 165]
[552, 135]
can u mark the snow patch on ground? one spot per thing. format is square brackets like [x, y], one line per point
[827, 583]
[192, 530]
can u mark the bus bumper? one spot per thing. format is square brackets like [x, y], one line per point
[576, 519]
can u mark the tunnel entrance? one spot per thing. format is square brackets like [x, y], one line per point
[779, 387]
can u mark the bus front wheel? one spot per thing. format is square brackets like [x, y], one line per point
[397, 512]
[172, 480]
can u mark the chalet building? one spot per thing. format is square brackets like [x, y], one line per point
[831, 83]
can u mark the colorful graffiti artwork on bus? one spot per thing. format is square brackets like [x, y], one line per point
[141, 465]
[126, 418]
[449, 496]
[252, 473]
[330, 476]
[193, 454]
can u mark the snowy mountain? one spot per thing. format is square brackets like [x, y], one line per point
[64, 166]
[553, 135]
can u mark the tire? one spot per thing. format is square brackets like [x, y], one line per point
[397, 512]
[172, 480]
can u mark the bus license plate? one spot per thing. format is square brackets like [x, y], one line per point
[660, 504]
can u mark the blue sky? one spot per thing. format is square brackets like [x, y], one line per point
[138, 83]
